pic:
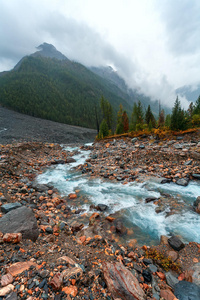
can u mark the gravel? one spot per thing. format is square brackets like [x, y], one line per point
[17, 127]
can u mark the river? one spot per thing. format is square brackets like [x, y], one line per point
[128, 201]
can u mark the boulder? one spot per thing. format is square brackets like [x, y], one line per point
[134, 140]
[193, 274]
[176, 243]
[121, 282]
[182, 181]
[185, 290]
[20, 220]
[196, 176]
[171, 279]
[10, 206]
[101, 207]
[196, 202]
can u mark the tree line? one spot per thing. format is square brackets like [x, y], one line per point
[141, 119]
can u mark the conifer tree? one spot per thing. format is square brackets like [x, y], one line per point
[107, 112]
[178, 118]
[125, 122]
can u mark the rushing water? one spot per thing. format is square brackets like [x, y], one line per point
[129, 201]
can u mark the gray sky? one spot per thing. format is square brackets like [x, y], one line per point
[153, 44]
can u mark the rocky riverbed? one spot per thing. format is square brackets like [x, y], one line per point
[59, 251]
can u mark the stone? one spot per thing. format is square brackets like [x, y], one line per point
[121, 282]
[6, 290]
[163, 240]
[56, 281]
[20, 220]
[13, 238]
[120, 228]
[12, 296]
[171, 279]
[10, 206]
[193, 273]
[167, 295]
[182, 181]
[75, 272]
[196, 202]
[176, 243]
[173, 255]
[152, 268]
[102, 207]
[147, 275]
[20, 267]
[196, 176]
[6, 279]
[134, 140]
[185, 290]
[150, 199]
[71, 290]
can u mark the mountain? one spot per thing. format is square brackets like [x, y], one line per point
[190, 92]
[131, 94]
[46, 84]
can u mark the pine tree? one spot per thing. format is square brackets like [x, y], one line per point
[161, 120]
[149, 117]
[107, 112]
[125, 122]
[104, 131]
[178, 117]
[120, 126]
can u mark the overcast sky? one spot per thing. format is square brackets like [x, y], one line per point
[153, 44]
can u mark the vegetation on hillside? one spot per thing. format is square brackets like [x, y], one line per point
[144, 121]
[61, 91]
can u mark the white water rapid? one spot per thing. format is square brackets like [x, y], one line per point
[129, 201]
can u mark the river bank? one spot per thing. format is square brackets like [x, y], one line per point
[58, 256]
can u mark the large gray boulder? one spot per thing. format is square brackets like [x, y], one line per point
[185, 290]
[20, 220]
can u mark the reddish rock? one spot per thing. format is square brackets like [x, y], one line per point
[167, 295]
[50, 192]
[13, 238]
[72, 196]
[161, 275]
[121, 282]
[20, 267]
[6, 279]
[71, 290]
[110, 219]
[132, 243]
[94, 216]
[68, 260]
[163, 240]
[56, 281]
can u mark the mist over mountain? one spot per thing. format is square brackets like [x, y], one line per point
[47, 84]
[190, 92]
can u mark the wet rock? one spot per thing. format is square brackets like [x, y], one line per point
[182, 181]
[20, 220]
[196, 202]
[147, 261]
[101, 207]
[185, 290]
[188, 162]
[150, 199]
[163, 240]
[176, 243]
[5, 208]
[121, 282]
[120, 228]
[171, 279]
[196, 176]
[166, 180]
[72, 272]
